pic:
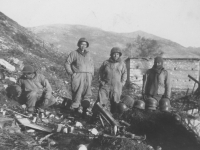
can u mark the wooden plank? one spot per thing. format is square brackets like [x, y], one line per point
[26, 122]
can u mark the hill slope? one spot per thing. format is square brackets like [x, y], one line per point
[18, 42]
[65, 37]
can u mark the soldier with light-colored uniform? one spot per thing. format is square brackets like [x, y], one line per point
[112, 77]
[80, 66]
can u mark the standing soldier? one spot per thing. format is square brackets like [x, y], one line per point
[156, 84]
[79, 65]
[112, 77]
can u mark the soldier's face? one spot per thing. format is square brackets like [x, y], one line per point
[28, 75]
[83, 45]
[115, 56]
[158, 64]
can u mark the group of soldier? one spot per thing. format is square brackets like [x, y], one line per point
[34, 89]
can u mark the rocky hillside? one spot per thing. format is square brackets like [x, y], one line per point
[65, 37]
[19, 40]
[19, 43]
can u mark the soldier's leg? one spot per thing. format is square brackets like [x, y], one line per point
[77, 90]
[103, 99]
[87, 93]
[31, 99]
[114, 100]
[45, 103]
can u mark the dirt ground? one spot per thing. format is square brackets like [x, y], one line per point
[162, 130]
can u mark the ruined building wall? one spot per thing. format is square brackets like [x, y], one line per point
[178, 68]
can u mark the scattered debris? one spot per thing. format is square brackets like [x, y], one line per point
[27, 123]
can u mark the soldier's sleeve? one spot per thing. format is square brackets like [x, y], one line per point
[69, 61]
[145, 76]
[124, 74]
[47, 87]
[101, 71]
[168, 85]
[92, 63]
[18, 87]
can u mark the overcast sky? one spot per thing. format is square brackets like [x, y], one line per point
[177, 20]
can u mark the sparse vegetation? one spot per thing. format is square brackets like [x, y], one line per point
[143, 47]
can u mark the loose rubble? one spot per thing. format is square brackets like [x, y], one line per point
[135, 129]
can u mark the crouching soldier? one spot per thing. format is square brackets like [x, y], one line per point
[34, 90]
[112, 77]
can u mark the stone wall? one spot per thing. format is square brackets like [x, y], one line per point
[179, 69]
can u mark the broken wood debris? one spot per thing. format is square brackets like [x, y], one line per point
[27, 123]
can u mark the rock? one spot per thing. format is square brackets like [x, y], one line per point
[11, 79]
[4, 120]
[82, 147]
[7, 65]
[94, 131]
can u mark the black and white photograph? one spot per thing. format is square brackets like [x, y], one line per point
[99, 74]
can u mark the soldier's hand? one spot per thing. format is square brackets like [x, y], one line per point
[144, 97]
[102, 83]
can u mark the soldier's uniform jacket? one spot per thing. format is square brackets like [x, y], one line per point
[78, 62]
[164, 83]
[39, 84]
[113, 75]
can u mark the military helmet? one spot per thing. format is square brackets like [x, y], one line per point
[128, 101]
[151, 103]
[116, 50]
[164, 104]
[139, 104]
[82, 40]
[122, 107]
[165, 108]
[28, 69]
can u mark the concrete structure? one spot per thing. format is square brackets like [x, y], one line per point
[179, 69]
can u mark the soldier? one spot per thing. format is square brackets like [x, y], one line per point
[112, 77]
[157, 81]
[79, 65]
[34, 90]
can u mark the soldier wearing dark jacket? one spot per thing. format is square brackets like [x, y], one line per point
[33, 88]
[157, 81]
[112, 77]
[79, 65]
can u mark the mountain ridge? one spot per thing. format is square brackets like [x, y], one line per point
[64, 37]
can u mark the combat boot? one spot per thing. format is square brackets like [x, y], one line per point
[75, 112]
[84, 113]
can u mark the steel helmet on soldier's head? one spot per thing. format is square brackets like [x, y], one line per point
[82, 40]
[128, 101]
[28, 69]
[151, 103]
[139, 104]
[158, 59]
[122, 107]
[116, 50]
